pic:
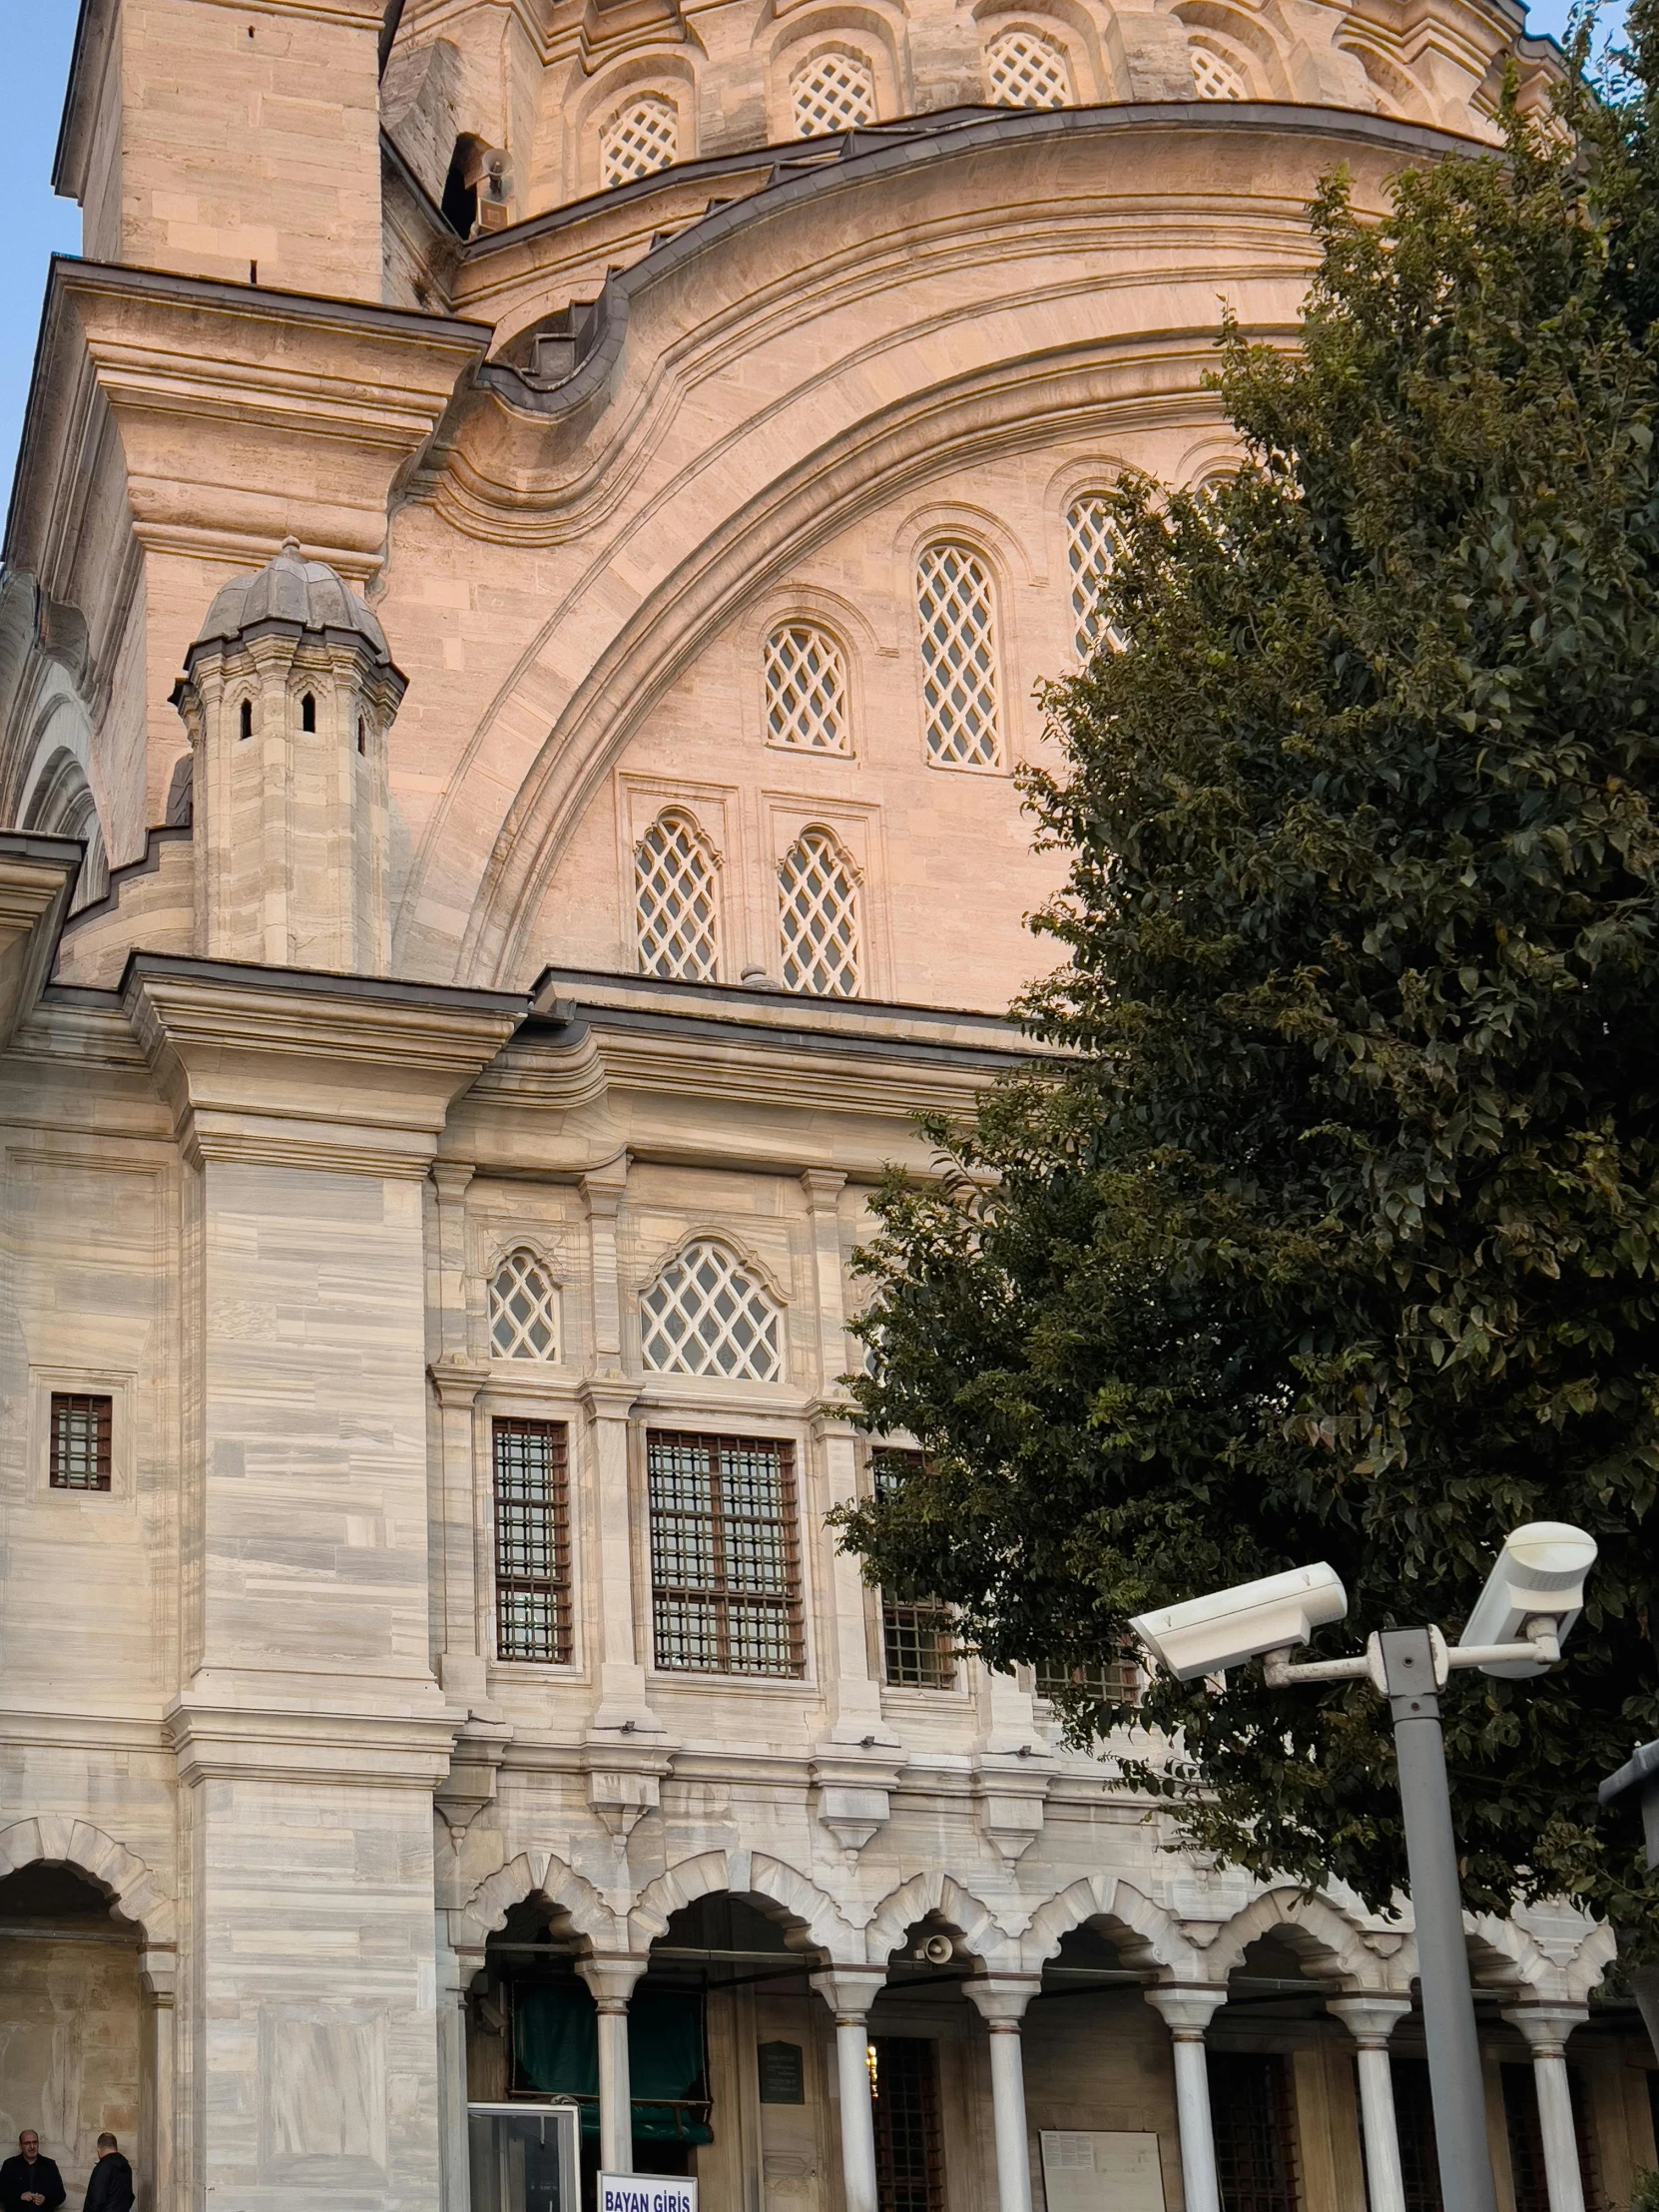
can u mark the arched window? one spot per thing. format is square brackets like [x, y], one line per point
[524, 1310]
[705, 1315]
[1090, 550]
[1215, 78]
[676, 899]
[957, 611]
[245, 719]
[817, 912]
[1027, 70]
[806, 684]
[639, 139]
[307, 713]
[831, 92]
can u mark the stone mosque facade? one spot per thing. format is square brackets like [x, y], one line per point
[537, 530]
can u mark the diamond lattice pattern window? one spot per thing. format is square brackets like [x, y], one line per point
[806, 684]
[676, 902]
[1027, 71]
[532, 1541]
[817, 917]
[833, 92]
[1214, 78]
[1090, 551]
[959, 657]
[524, 1311]
[638, 140]
[705, 1315]
[725, 1583]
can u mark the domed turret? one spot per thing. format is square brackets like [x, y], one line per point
[289, 692]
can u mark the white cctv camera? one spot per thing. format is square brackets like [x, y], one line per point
[1222, 1630]
[1539, 1576]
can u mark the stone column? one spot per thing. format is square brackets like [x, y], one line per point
[158, 2111]
[455, 1970]
[1188, 2012]
[612, 1982]
[1371, 2021]
[849, 1993]
[1546, 2028]
[1001, 2000]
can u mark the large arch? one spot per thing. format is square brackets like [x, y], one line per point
[1142, 1930]
[936, 1891]
[1319, 1932]
[535, 1874]
[57, 1840]
[798, 1901]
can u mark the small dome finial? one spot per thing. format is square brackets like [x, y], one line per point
[291, 544]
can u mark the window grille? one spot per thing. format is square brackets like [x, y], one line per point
[1114, 1683]
[833, 92]
[725, 1587]
[676, 902]
[918, 1634]
[1090, 551]
[1214, 78]
[959, 657]
[82, 1426]
[1027, 71]
[532, 1541]
[638, 140]
[1526, 2144]
[524, 1313]
[1250, 2106]
[817, 917]
[705, 1315]
[904, 2096]
[1419, 2165]
[806, 685]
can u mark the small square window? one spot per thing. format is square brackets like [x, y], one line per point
[82, 1426]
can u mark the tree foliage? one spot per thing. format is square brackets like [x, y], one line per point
[1331, 1229]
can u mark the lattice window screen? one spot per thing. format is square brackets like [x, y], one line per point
[638, 140]
[524, 1310]
[833, 92]
[1214, 78]
[959, 657]
[676, 902]
[817, 917]
[1090, 551]
[1027, 71]
[705, 1315]
[806, 684]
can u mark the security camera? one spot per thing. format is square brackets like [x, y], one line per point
[938, 1950]
[1539, 1576]
[1206, 1634]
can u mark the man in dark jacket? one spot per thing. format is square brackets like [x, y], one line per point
[110, 2186]
[29, 2182]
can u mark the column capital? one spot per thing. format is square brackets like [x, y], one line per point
[451, 1177]
[1000, 1999]
[849, 1992]
[612, 1979]
[1370, 2020]
[1187, 2009]
[457, 1381]
[607, 1397]
[603, 1186]
[1547, 2026]
[823, 1186]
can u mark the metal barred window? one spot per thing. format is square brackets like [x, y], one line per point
[918, 1634]
[676, 901]
[1116, 1684]
[957, 612]
[909, 2148]
[638, 140]
[833, 92]
[805, 687]
[1027, 70]
[532, 1541]
[1254, 2134]
[725, 1586]
[524, 1310]
[705, 1315]
[817, 917]
[1090, 551]
[82, 1430]
[1214, 78]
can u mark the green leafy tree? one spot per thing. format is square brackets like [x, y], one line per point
[1330, 1228]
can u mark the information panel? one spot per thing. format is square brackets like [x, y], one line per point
[647, 2193]
[1092, 2172]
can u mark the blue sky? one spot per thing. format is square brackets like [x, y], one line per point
[35, 39]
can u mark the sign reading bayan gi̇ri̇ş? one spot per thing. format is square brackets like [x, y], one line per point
[647, 2193]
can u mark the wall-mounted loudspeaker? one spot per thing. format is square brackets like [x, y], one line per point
[938, 1950]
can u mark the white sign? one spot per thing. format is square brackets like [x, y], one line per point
[1089, 2172]
[648, 2193]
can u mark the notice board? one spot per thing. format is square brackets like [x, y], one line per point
[1089, 2171]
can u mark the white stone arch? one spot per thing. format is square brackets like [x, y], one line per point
[872, 33]
[1319, 1932]
[666, 73]
[1504, 1955]
[1242, 39]
[807, 1909]
[535, 1874]
[1146, 1927]
[54, 1840]
[975, 1924]
[705, 1230]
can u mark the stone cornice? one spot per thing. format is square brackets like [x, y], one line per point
[221, 1740]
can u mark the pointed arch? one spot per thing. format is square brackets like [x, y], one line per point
[800, 1903]
[53, 1839]
[975, 1924]
[536, 1874]
[819, 923]
[677, 899]
[1142, 1930]
[1317, 1930]
[706, 1314]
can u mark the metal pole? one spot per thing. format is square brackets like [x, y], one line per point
[1454, 2080]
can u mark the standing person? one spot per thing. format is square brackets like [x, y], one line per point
[29, 2182]
[110, 2186]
